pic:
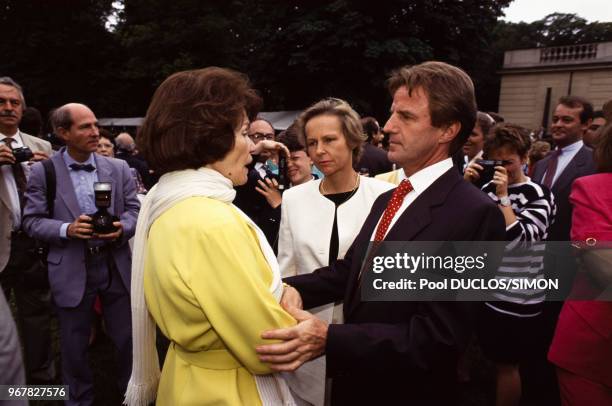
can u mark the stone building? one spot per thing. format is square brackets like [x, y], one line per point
[534, 79]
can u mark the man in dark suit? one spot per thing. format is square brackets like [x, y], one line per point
[374, 160]
[84, 264]
[399, 352]
[248, 199]
[570, 160]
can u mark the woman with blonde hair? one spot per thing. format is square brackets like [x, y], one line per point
[320, 219]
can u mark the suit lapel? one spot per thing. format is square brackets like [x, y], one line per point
[361, 253]
[65, 188]
[27, 141]
[540, 169]
[412, 221]
[570, 171]
[4, 194]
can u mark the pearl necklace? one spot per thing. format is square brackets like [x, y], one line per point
[357, 176]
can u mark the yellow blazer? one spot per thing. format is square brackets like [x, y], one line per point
[207, 287]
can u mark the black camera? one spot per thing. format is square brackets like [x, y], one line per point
[22, 154]
[283, 177]
[102, 220]
[488, 169]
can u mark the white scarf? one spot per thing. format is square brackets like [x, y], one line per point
[172, 188]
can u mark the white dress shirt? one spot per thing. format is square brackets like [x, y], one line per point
[420, 181]
[565, 157]
[9, 179]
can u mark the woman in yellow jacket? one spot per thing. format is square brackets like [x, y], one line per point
[202, 270]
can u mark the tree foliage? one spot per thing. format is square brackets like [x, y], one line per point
[295, 52]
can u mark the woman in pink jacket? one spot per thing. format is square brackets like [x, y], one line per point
[582, 346]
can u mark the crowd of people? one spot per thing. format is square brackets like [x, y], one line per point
[245, 248]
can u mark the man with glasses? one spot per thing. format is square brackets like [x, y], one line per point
[248, 199]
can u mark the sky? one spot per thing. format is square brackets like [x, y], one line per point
[532, 10]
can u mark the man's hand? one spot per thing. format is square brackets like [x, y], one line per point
[302, 342]
[269, 190]
[111, 236]
[81, 228]
[291, 298]
[272, 146]
[39, 156]
[6, 155]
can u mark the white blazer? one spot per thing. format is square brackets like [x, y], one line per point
[307, 219]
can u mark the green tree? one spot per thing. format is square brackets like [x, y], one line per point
[60, 51]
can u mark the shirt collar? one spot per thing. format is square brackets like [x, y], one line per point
[16, 137]
[572, 147]
[69, 161]
[422, 179]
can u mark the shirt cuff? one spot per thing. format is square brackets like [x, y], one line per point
[64, 230]
[509, 227]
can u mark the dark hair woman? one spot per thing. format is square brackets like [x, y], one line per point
[209, 277]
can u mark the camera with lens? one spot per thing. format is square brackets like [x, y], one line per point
[283, 177]
[102, 220]
[22, 154]
[488, 169]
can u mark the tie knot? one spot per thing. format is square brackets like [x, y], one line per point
[403, 189]
[82, 167]
[8, 141]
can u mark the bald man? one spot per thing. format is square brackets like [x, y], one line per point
[84, 264]
[127, 150]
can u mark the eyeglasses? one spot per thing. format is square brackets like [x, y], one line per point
[262, 136]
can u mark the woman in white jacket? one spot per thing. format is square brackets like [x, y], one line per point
[321, 218]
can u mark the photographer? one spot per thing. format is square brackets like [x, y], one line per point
[508, 324]
[20, 269]
[85, 261]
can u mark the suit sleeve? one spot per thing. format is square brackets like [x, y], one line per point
[237, 302]
[131, 204]
[325, 285]
[36, 211]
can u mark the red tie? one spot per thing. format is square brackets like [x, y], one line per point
[393, 206]
[551, 169]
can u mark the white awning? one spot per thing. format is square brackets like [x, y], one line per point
[280, 120]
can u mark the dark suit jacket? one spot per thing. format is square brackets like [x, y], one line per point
[374, 160]
[255, 205]
[581, 165]
[402, 352]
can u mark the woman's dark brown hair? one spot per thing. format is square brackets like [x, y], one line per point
[193, 116]
[603, 150]
[508, 135]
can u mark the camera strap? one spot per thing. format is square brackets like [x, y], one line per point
[50, 183]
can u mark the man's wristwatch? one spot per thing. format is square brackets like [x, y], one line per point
[504, 201]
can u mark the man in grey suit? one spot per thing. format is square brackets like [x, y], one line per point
[570, 160]
[83, 264]
[20, 268]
